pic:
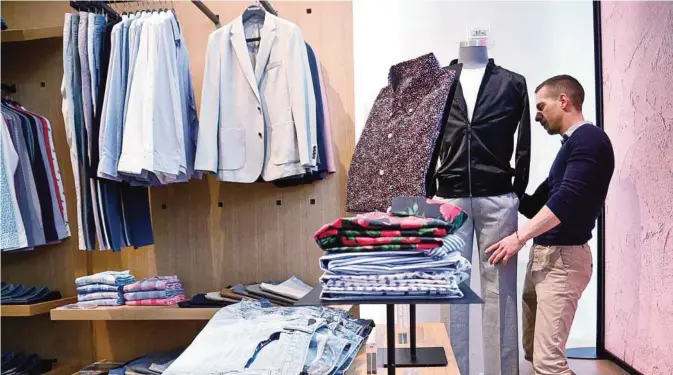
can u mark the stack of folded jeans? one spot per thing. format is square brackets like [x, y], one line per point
[103, 288]
[253, 337]
[15, 363]
[410, 252]
[155, 291]
[18, 294]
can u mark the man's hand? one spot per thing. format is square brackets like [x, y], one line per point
[505, 249]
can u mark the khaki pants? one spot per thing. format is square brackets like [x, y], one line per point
[555, 279]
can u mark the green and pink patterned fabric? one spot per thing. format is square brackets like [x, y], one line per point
[412, 224]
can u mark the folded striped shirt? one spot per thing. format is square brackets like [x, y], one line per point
[102, 302]
[100, 295]
[155, 283]
[91, 288]
[116, 278]
[157, 301]
[134, 296]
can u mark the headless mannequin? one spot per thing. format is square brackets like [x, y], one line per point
[473, 55]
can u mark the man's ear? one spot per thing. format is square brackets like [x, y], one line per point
[565, 102]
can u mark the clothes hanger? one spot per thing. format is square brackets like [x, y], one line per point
[253, 11]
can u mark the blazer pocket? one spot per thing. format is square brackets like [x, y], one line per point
[233, 149]
[272, 64]
[284, 143]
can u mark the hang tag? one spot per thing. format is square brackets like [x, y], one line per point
[479, 33]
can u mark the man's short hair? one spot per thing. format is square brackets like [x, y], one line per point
[565, 84]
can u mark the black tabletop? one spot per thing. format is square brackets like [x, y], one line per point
[313, 299]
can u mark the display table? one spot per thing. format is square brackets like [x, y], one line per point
[429, 334]
[413, 356]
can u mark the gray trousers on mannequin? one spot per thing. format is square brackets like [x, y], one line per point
[491, 219]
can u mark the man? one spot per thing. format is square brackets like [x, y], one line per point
[563, 212]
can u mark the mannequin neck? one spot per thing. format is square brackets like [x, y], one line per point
[473, 57]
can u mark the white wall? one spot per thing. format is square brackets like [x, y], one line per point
[535, 39]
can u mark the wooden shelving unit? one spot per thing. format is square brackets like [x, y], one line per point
[142, 313]
[134, 313]
[63, 369]
[34, 309]
[20, 35]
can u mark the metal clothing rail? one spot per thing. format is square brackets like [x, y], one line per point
[209, 13]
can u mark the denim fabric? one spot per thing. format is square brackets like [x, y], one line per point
[272, 340]
[68, 109]
[81, 140]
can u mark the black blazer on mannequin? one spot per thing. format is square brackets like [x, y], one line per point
[475, 156]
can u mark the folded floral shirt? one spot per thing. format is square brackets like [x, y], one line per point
[416, 223]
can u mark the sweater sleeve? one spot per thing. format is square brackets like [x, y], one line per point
[581, 173]
[532, 204]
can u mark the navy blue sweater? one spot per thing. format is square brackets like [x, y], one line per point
[576, 188]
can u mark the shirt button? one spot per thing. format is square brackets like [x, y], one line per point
[410, 110]
[381, 172]
[260, 135]
[259, 109]
[390, 135]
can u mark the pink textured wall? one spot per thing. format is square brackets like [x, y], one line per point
[638, 105]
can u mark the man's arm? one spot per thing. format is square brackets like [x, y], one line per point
[532, 204]
[544, 221]
[580, 173]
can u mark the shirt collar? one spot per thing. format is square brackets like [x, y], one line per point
[572, 129]
[402, 74]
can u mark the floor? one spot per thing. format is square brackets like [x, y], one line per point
[581, 367]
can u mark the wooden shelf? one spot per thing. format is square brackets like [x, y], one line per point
[134, 313]
[34, 309]
[20, 35]
[141, 313]
[63, 369]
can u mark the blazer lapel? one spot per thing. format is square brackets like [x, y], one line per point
[241, 48]
[267, 35]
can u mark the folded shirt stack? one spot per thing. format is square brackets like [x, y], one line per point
[409, 252]
[155, 291]
[18, 294]
[103, 288]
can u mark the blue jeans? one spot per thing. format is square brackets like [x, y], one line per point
[273, 340]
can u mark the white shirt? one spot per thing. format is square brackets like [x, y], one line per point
[470, 81]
